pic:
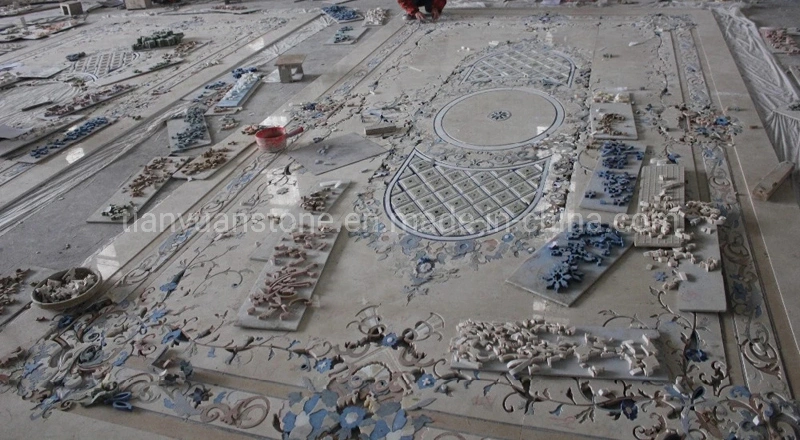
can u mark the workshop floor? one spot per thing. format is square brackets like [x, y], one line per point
[490, 161]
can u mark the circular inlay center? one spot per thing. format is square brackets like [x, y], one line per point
[471, 121]
[499, 115]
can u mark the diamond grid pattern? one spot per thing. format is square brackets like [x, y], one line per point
[522, 62]
[442, 201]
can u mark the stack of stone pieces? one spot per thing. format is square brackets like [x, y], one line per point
[66, 288]
[158, 39]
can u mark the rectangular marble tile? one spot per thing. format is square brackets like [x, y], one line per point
[627, 126]
[178, 125]
[30, 158]
[650, 184]
[530, 276]
[8, 147]
[106, 96]
[337, 188]
[123, 195]
[703, 291]
[233, 151]
[602, 201]
[340, 152]
[136, 72]
[312, 265]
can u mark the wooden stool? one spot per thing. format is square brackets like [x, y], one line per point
[290, 67]
[71, 8]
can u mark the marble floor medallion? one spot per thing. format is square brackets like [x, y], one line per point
[442, 202]
[497, 119]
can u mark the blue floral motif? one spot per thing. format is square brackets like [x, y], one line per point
[397, 424]
[696, 355]
[123, 356]
[463, 247]
[425, 264]
[426, 381]
[408, 243]
[158, 314]
[65, 321]
[30, 368]
[174, 336]
[288, 422]
[740, 391]
[629, 409]
[660, 276]
[324, 365]
[390, 340]
[351, 417]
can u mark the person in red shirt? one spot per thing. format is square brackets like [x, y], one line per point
[433, 7]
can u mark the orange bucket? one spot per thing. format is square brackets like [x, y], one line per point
[273, 139]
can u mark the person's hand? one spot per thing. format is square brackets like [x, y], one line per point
[420, 16]
[435, 14]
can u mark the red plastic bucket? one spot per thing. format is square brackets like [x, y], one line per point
[274, 138]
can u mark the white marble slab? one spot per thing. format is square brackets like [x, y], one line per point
[650, 184]
[233, 151]
[123, 195]
[627, 127]
[530, 276]
[315, 260]
[8, 147]
[602, 201]
[703, 291]
[341, 151]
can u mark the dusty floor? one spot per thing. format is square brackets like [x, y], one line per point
[371, 353]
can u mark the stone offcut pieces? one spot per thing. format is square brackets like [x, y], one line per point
[8, 147]
[157, 40]
[614, 119]
[284, 289]
[375, 17]
[342, 14]
[535, 347]
[15, 291]
[317, 201]
[614, 178]
[205, 165]
[347, 35]
[71, 137]
[138, 190]
[661, 194]
[91, 99]
[188, 132]
[563, 269]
